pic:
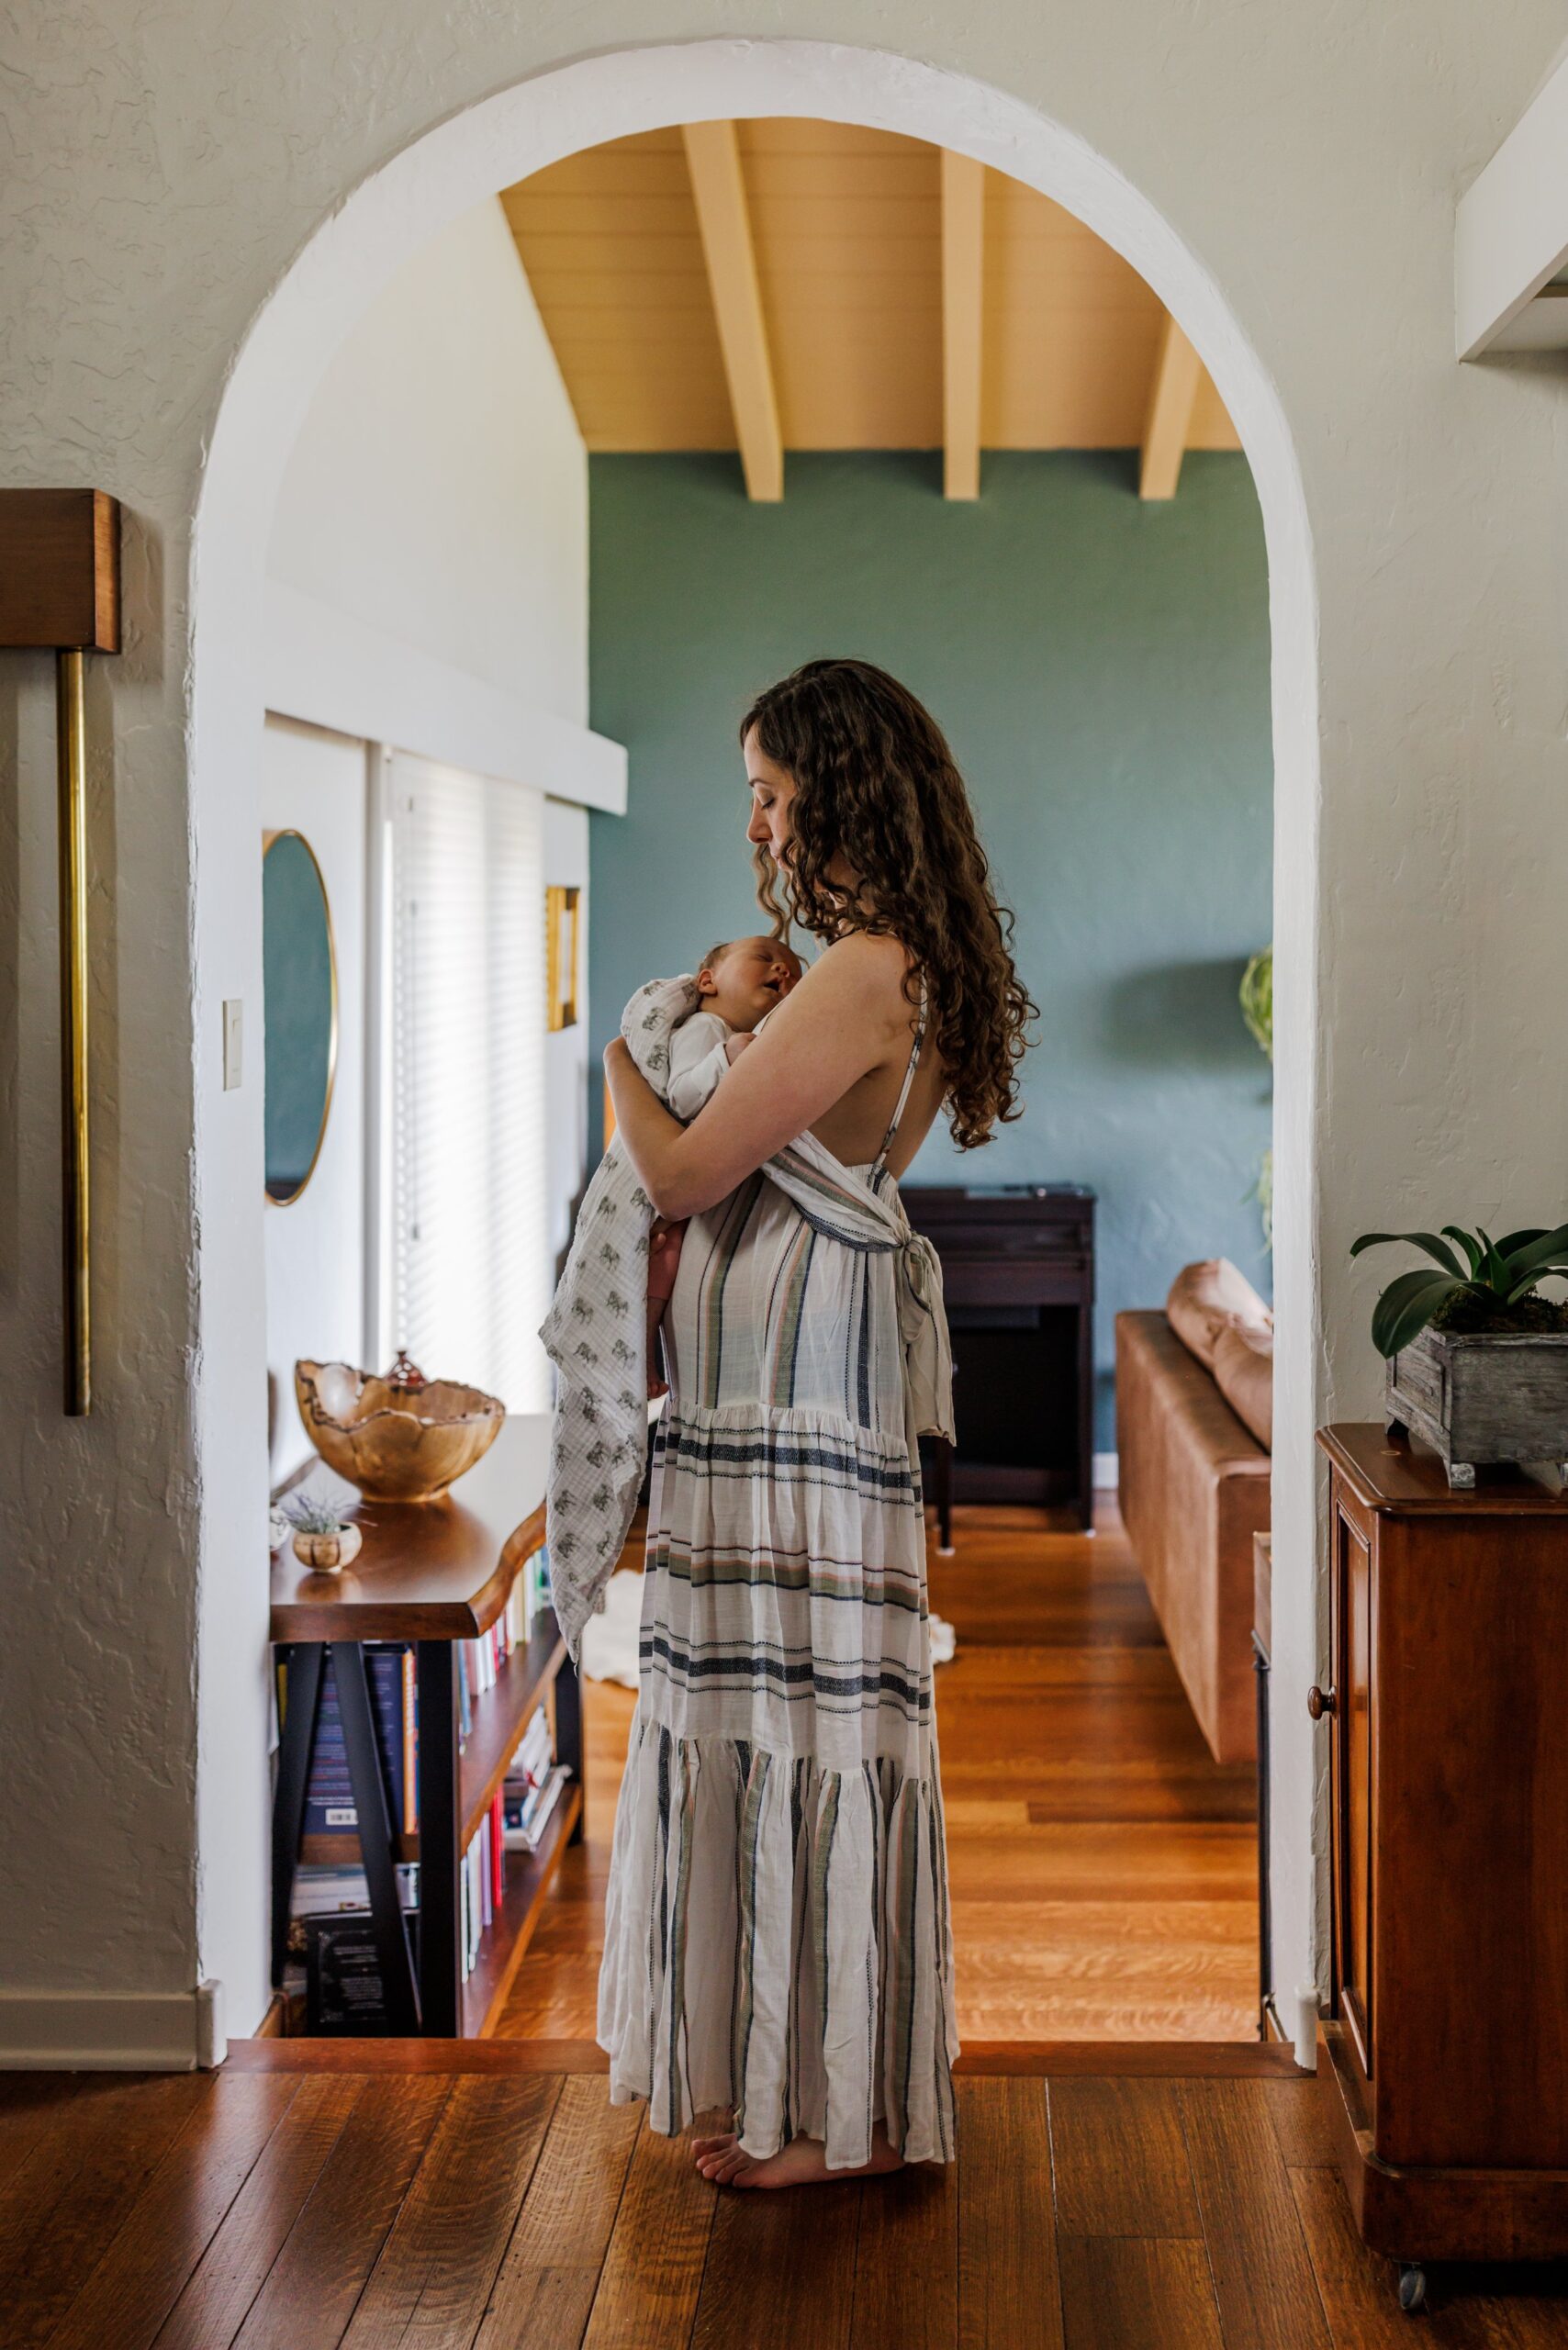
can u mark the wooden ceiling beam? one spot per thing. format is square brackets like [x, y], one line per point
[963, 258]
[1177, 372]
[712, 156]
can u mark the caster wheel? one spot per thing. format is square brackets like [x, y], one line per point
[1412, 2286]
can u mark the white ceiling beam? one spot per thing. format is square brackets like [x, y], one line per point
[713, 160]
[1178, 370]
[1511, 230]
[963, 262]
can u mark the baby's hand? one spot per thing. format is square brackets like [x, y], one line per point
[735, 1044]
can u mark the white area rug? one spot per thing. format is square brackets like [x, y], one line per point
[610, 1641]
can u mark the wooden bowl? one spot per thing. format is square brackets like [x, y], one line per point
[396, 1443]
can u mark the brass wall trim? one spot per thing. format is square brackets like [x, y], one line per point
[60, 592]
[71, 760]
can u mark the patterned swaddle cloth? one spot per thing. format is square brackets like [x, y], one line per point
[596, 1332]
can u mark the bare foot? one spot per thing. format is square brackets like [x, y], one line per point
[802, 2163]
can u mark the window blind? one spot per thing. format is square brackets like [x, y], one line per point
[469, 1240]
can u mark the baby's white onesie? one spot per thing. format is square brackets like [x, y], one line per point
[697, 1061]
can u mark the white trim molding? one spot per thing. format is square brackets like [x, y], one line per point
[325, 667]
[1511, 233]
[112, 2032]
[1107, 1471]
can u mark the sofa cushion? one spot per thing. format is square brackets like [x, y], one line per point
[1205, 1298]
[1244, 1374]
[1195, 1490]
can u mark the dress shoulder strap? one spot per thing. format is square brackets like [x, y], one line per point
[902, 1103]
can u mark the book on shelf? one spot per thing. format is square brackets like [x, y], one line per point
[330, 1808]
[481, 1661]
[525, 1829]
[324, 1891]
[342, 1973]
[329, 1804]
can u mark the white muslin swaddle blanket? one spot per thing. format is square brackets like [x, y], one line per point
[596, 1332]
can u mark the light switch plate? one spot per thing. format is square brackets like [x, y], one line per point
[233, 1042]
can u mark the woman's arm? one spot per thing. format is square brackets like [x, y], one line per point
[849, 1015]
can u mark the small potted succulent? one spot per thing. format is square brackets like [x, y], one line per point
[324, 1540]
[1477, 1358]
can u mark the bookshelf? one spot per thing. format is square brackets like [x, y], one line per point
[432, 1574]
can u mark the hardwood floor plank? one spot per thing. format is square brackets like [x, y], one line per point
[543, 2296]
[1138, 2293]
[1157, 2060]
[1520, 2306]
[1299, 2112]
[431, 2285]
[652, 2271]
[1009, 2293]
[1119, 2153]
[1076, 1779]
[364, 2057]
[1263, 2277]
[211, 2308]
[31, 2104]
[906, 2266]
[780, 2269]
[315, 2283]
[144, 2269]
[72, 2193]
[1359, 2289]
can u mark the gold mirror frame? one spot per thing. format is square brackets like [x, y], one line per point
[563, 917]
[269, 842]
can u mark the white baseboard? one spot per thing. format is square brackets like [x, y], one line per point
[1105, 1471]
[111, 2032]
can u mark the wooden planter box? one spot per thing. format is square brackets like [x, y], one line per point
[1482, 1399]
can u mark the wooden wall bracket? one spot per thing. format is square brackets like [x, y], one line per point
[60, 592]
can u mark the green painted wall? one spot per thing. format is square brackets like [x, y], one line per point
[1102, 670]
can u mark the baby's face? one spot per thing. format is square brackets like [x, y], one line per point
[747, 980]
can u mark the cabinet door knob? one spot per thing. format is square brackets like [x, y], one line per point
[1319, 1702]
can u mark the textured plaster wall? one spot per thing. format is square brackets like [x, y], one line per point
[1287, 175]
[1101, 667]
[438, 490]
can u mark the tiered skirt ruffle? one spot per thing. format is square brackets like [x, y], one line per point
[778, 1942]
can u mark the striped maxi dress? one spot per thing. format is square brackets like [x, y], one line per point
[776, 1930]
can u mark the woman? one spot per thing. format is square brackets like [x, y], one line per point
[777, 1937]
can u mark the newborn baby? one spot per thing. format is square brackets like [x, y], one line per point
[740, 982]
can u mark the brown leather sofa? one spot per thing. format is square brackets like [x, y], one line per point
[1194, 1485]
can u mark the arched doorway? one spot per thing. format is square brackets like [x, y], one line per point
[281, 363]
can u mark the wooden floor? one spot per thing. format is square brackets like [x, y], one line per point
[436, 2198]
[1103, 1868]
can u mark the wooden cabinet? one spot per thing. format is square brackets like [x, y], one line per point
[1018, 1278]
[1446, 2054]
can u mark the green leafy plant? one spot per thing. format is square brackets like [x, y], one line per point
[1256, 994]
[1488, 1288]
[1257, 999]
[308, 1515]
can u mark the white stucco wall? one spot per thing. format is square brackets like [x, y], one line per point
[313, 1245]
[438, 488]
[1287, 177]
[435, 499]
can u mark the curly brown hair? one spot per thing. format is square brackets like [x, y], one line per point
[875, 786]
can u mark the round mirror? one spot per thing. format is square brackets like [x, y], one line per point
[299, 977]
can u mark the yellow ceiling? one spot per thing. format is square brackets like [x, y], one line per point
[847, 229]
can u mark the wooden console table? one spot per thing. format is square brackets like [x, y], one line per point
[1444, 2061]
[431, 1573]
[1018, 1276]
